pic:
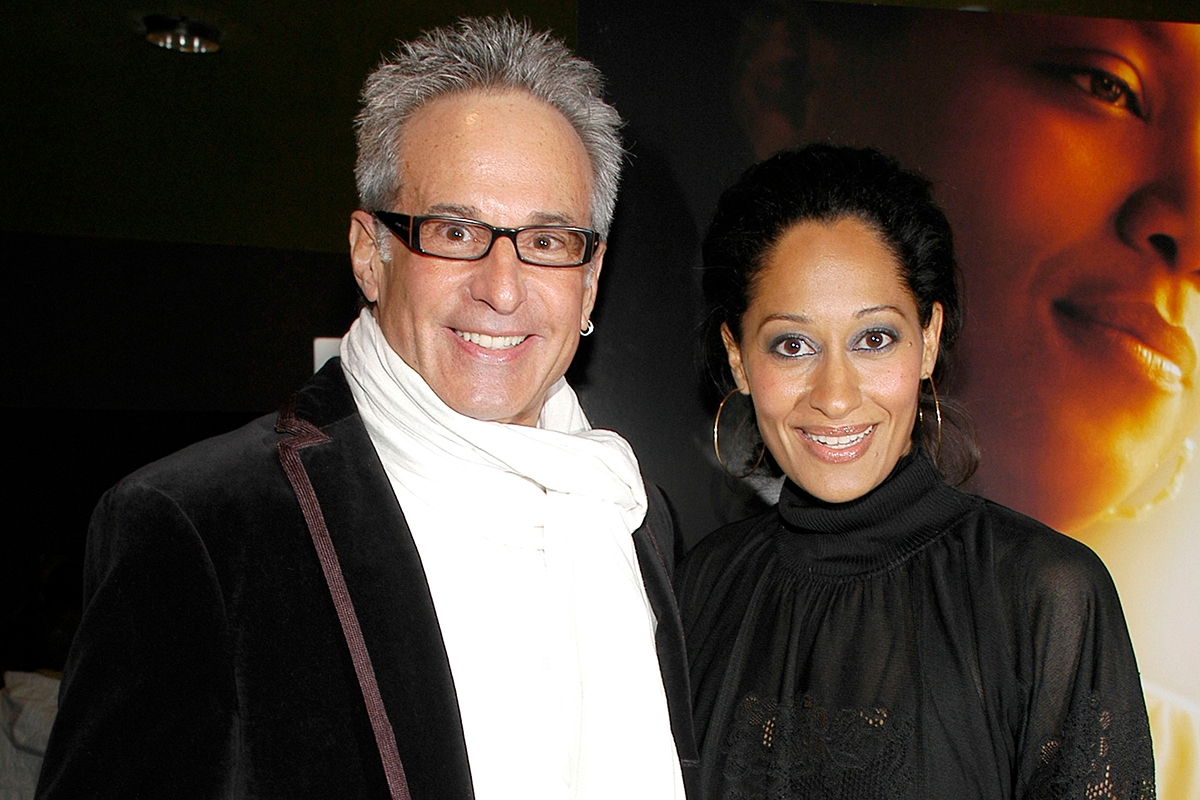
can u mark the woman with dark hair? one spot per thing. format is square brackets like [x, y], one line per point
[1066, 154]
[879, 633]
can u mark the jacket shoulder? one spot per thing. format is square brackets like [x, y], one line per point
[246, 456]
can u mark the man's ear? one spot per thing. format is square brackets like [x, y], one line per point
[590, 287]
[365, 256]
[734, 352]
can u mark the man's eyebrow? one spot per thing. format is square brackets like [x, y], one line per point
[453, 210]
[550, 218]
[471, 212]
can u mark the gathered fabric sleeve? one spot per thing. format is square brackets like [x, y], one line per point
[146, 708]
[1084, 733]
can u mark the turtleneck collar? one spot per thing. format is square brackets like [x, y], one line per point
[891, 522]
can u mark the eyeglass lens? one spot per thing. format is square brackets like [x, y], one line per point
[551, 246]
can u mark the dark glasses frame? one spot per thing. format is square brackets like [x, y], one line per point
[407, 229]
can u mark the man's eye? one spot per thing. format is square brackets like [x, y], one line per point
[451, 232]
[454, 233]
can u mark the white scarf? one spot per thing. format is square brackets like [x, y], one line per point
[525, 536]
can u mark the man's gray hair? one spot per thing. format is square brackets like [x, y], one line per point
[484, 54]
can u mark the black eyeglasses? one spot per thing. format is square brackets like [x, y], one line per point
[471, 240]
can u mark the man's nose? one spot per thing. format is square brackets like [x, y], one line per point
[499, 278]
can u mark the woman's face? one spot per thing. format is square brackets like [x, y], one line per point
[832, 355]
[1066, 153]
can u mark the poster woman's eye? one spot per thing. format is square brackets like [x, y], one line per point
[1104, 79]
[1107, 88]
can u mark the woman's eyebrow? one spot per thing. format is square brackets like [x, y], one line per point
[876, 309]
[799, 318]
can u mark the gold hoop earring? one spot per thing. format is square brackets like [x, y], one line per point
[717, 444]
[937, 409]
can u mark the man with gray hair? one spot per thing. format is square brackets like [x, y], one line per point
[427, 576]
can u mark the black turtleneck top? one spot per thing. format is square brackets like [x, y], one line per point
[917, 642]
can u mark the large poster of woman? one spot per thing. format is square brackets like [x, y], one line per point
[1066, 153]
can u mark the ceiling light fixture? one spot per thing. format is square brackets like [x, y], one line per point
[182, 34]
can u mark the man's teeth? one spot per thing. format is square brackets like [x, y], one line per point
[491, 342]
[839, 441]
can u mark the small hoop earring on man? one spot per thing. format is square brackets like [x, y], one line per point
[762, 452]
[588, 330]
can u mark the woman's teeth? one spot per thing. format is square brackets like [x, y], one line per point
[839, 442]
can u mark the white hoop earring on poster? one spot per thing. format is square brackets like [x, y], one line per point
[1187, 454]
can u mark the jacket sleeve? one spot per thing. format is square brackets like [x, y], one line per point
[661, 520]
[146, 707]
[657, 552]
[1085, 733]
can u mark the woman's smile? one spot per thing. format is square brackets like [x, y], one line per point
[838, 445]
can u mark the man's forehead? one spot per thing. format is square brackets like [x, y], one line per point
[479, 155]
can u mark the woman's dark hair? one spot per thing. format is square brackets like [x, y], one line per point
[823, 183]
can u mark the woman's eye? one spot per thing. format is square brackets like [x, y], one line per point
[792, 346]
[875, 340]
[1107, 88]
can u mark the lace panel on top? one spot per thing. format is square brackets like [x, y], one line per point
[801, 750]
[1095, 758]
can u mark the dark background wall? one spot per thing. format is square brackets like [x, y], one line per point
[172, 230]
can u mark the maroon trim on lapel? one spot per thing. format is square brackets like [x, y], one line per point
[304, 434]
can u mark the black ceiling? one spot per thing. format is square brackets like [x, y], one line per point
[104, 135]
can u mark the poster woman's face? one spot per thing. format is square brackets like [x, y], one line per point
[1066, 153]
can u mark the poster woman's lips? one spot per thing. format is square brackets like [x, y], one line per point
[1164, 352]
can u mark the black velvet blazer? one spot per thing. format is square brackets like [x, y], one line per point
[209, 661]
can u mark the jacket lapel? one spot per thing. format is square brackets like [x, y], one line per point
[386, 584]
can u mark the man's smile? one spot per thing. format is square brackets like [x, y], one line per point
[491, 342]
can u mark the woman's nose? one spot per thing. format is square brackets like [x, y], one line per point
[1162, 218]
[835, 390]
[1165, 224]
